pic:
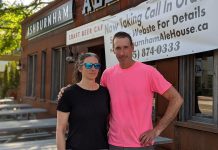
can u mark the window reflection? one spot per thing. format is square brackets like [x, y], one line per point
[204, 84]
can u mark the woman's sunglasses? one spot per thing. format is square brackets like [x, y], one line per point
[90, 65]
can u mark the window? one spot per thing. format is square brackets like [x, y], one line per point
[58, 71]
[43, 74]
[203, 77]
[31, 75]
[199, 82]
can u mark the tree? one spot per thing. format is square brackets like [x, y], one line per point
[11, 17]
[10, 79]
[13, 75]
[5, 82]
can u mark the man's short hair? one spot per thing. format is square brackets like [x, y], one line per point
[123, 35]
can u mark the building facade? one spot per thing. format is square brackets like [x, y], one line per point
[53, 37]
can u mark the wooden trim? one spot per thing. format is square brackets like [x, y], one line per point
[9, 57]
[198, 126]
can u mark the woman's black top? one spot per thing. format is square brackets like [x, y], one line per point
[88, 117]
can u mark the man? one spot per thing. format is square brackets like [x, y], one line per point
[131, 86]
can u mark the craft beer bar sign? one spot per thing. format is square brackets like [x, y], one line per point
[86, 32]
[56, 18]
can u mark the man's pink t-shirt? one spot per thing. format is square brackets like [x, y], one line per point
[131, 91]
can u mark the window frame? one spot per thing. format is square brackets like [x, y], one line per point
[186, 78]
[43, 74]
[61, 72]
[31, 75]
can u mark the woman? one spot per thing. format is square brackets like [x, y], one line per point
[83, 106]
